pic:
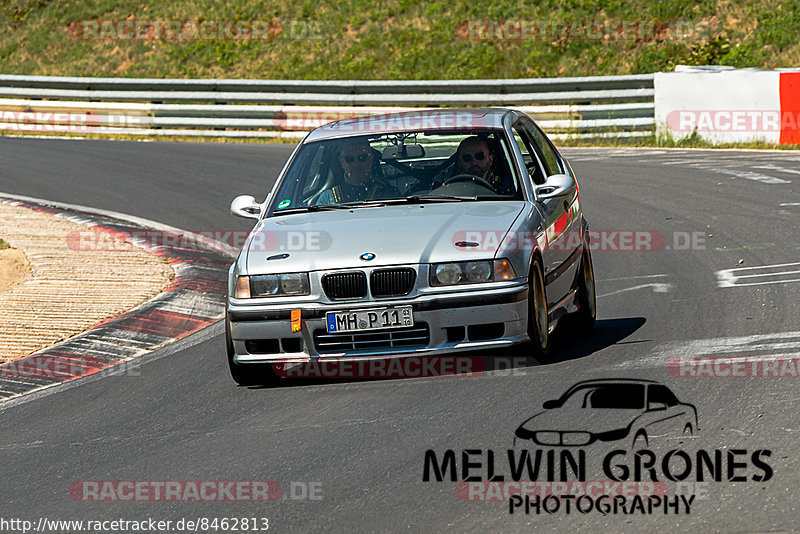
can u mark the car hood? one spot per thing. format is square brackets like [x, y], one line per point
[585, 420]
[406, 234]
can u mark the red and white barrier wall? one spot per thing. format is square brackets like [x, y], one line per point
[729, 106]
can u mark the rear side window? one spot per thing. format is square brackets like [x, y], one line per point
[546, 151]
[662, 394]
[523, 141]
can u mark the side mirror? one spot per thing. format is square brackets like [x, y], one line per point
[549, 405]
[656, 406]
[557, 185]
[245, 206]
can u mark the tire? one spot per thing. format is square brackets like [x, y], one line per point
[254, 374]
[538, 318]
[586, 316]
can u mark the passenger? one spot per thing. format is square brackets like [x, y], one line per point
[363, 179]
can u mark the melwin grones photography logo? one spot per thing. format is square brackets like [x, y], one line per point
[618, 446]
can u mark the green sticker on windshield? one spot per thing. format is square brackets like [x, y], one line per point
[284, 203]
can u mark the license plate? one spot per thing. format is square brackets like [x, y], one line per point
[364, 320]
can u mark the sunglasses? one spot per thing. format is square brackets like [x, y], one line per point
[479, 156]
[361, 157]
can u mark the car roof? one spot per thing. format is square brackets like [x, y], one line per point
[602, 381]
[450, 120]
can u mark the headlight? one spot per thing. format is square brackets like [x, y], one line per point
[613, 435]
[264, 286]
[478, 271]
[471, 272]
[272, 285]
[447, 274]
[293, 284]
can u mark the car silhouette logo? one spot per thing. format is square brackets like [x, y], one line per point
[367, 256]
[609, 410]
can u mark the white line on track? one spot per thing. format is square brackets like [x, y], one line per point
[780, 345]
[731, 277]
[737, 172]
[632, 277]
[657, 288]
[764, 283]
[776, 168]
[766, 274]
[678, 162]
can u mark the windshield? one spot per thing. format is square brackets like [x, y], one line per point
[407, 167]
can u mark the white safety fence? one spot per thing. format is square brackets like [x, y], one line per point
[600, 106]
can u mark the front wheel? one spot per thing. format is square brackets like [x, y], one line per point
[538, 318]
[253, 374]
[587, 300]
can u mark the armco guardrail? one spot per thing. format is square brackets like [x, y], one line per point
[581, 107]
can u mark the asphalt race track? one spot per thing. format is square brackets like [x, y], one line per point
[358, 447]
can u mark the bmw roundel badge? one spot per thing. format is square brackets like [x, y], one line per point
[367, 256]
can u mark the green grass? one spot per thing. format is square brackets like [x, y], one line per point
[3, 244]
[399, 39]
[394, 39]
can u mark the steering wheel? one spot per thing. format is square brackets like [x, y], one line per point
[477, 180]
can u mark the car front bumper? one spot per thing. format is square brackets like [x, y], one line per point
[460, 321]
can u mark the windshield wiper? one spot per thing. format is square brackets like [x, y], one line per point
[441, 198]
[413, 199]
[306, 209]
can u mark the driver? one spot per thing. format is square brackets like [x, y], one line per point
[363, 180]
[474, 156]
